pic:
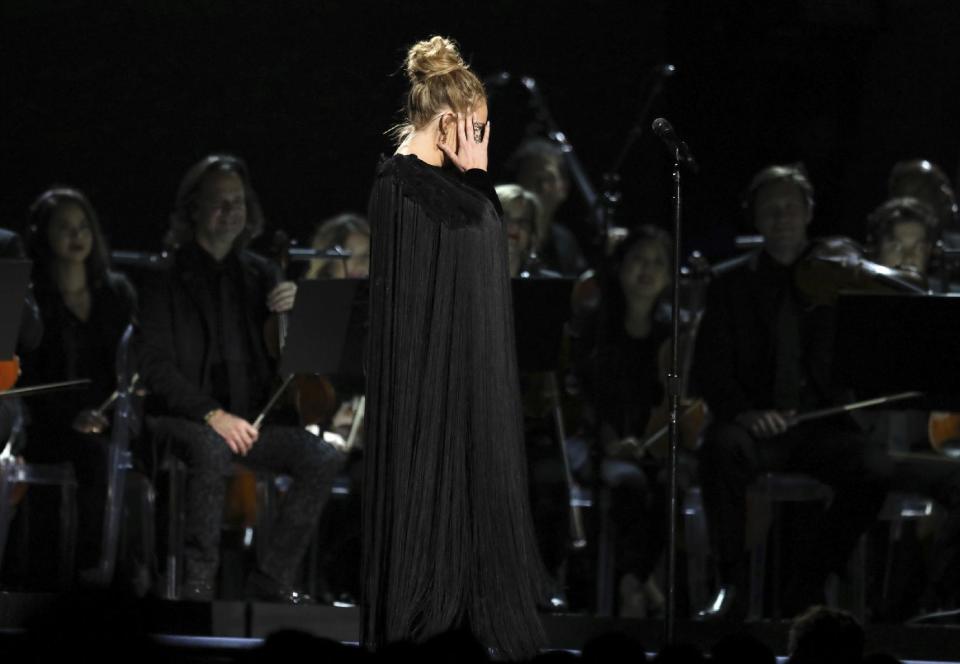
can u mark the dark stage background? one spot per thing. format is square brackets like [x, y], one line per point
[118, 98]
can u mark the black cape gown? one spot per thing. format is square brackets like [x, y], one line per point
[447, 534]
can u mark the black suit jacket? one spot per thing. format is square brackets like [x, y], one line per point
[176, 328]
[735, 360]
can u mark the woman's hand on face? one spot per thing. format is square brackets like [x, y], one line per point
[470, 152]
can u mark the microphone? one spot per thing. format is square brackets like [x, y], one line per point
[497, 80]
[530, 84]
[678, 148]
[666, 70]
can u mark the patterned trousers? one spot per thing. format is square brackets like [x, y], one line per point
[307, 459]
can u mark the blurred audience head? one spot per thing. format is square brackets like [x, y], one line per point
[63, 227]
[881, 658]
[741, 649]
[614, 648]
[350, 233]
[822, 635]
[215, 201]
[456, 645]
[680, 654]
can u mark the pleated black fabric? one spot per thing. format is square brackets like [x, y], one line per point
[447, 533]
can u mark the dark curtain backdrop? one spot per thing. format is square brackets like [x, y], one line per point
[118, 98]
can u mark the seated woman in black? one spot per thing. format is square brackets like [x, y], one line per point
[618, 365]
[85, 309]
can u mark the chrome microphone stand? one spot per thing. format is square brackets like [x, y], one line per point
[681, 158]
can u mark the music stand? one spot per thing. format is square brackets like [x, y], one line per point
[326, 334]
[14, 281]
[898, 343]
[327, 329]
[541, 309]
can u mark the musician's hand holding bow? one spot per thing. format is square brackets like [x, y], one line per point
[282, 297]
[90, 421]
[239, 434]
[765, 423]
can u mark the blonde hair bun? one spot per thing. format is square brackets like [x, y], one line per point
[439, 80]
[433, 57]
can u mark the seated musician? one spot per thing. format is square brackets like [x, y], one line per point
[521, 210]
[339, 576]
[206, 364]
[28, 338]
[621, 376]
[902, 233]
[539, 168]
[85, 308]
[926, 182]
[761, 355]
[350, 233]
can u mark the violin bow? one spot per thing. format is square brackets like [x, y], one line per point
[850, 407]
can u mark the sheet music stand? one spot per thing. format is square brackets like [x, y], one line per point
[14, 281]
[328, 327]
[898, 343]
[326, 334]
[541, 310]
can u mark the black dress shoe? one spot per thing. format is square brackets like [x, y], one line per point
[728, 604]
[266, 589]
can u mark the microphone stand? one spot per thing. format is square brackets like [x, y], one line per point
[681, 157]
[603, 209]
[673, 390]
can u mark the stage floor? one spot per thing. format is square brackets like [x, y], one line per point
[218, 626]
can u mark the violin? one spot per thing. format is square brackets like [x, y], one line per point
[835, 264]
[313, 397]
[943, 430]
[9, 373]
[692, 419]
[694, 414]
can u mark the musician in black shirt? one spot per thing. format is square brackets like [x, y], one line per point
[762, 355]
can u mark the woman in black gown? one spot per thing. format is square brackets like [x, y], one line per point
[448, 539]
